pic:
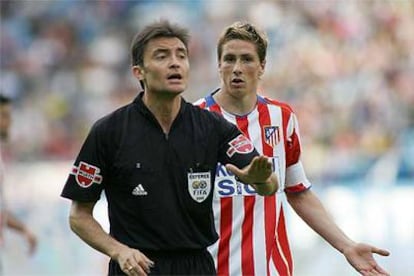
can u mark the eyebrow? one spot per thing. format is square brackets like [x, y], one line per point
[166, 50]
[242, 55]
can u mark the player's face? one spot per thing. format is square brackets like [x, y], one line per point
[166, 66]
[240, 67]
[5, 121]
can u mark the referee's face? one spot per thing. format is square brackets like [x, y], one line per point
[165, 68]
[240, 67]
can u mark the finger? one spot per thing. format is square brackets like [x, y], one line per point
[265, 163]
[258, 163]
[380, 270]
[380, 251]
[233, 169]
[128, 270]
[140, 271]
[366, 273]
[135, 270]
[144, 262]
[149, 262]
[144, 266]
[266, 166]
[254, 164]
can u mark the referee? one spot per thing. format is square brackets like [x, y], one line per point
[155, 159]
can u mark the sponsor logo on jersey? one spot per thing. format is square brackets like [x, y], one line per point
[226, 184]
[272, 136]
[199, 185]
[241, 145]
[86, 174]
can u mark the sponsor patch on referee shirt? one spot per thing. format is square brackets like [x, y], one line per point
[241, 145]
[86, 174]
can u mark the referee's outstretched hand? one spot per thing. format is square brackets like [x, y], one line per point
[258, 174]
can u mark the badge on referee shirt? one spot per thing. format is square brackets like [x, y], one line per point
[199, 185]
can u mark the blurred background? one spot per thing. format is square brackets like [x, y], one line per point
[346, 68]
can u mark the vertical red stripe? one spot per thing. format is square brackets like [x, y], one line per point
[226, 218]
[283, 239]
[277, 258]
[247, 258]
[226, 223]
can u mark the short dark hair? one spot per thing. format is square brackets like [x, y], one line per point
[244, 31]
[4, 99]
[162, 28]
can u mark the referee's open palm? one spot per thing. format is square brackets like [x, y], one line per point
[257, 172]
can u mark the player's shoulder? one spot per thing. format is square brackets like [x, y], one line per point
[202, 102]
[272, 102]
[203, 115]
[199, 109]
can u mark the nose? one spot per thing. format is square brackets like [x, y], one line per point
[175, 62]
[237, 67]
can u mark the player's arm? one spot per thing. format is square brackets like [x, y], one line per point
[14, 223]
[83, 223]
[307, 205]
[258, 174]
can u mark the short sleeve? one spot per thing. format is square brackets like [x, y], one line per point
[87, 176]
[296, 180]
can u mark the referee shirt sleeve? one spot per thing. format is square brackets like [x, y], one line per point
[87, 176]
[235, 148]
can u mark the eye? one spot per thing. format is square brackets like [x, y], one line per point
[229, 58]
[160, 56]
[247, 59]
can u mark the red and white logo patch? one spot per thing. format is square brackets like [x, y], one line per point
[86, 174]
[272, 136]
[241, 145]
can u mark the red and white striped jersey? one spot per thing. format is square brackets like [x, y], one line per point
[251, 228]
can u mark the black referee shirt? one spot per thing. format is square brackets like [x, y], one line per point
[159, 187]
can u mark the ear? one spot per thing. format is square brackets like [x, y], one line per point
[138, 72]
[262, 68]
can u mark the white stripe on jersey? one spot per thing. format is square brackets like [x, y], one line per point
[276, 120]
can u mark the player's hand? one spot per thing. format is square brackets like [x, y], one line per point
[257, 172]
[360, 256]
[133, 262]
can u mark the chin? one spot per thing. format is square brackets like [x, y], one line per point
[178, 89]
[173, 92]
[238, 91]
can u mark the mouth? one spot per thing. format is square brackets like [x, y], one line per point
[237, 81]
[175, 76]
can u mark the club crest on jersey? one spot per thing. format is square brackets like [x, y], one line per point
[86, 174]
[241, 145]
[199, 185]
[272, 136]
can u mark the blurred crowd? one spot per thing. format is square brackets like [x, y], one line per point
[346, 68]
